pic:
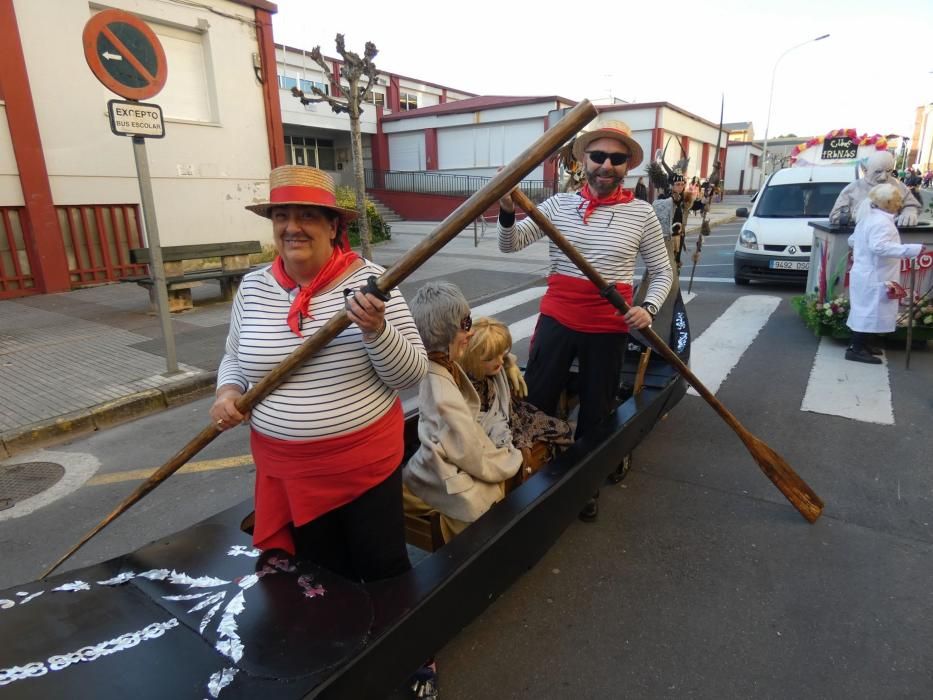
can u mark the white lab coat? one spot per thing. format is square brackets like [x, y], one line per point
[876, 253]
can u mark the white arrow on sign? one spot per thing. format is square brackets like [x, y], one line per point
[112, 56]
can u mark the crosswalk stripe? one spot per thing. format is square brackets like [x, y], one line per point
[719, 348]
[853, 390]
[507, 302]
[524, 328]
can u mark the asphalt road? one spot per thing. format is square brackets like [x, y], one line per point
[698, 580]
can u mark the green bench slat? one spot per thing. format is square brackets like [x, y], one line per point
[176, 253]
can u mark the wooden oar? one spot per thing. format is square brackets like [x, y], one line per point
[458, 220]
[772, 464]
[910, 311]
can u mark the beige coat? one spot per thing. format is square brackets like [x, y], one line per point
[457, 469]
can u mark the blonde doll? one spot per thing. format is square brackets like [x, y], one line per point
[505, 417]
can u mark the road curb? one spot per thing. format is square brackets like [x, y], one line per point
[105, 415]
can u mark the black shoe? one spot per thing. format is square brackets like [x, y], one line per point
[862, 355]
[423, 684]
[590, 511]
[874, 351]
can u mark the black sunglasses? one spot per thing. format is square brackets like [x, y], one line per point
[466, 323]
[599, 157]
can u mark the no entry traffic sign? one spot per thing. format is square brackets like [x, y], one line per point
[125, 54]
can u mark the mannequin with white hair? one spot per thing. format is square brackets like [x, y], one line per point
[876, 254]
[853, 200]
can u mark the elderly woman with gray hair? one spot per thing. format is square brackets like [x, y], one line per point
[457, 472]
[876, 254]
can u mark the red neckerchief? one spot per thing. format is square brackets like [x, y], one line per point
[340, 260]
[620, 196]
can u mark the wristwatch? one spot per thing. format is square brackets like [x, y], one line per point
[650, 308]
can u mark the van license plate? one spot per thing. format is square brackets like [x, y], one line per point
[789, 264]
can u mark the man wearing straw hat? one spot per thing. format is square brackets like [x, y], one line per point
[610, 228]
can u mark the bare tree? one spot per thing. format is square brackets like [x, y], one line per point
[355, 71]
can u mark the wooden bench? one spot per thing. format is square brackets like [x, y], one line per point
[234, 263]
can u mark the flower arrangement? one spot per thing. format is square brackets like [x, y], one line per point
[824, 318]
[923, 313]
[878, 141]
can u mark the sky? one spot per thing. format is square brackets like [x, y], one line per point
[871, 74]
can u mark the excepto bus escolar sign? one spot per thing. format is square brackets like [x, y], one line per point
[135, 119]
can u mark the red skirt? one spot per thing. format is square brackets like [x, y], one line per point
[300, 480]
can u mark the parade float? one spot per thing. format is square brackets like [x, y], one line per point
[825, 306]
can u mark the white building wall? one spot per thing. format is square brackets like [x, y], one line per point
[214, 158]
[406, 151]
[678, 123]
[11, 194]
[739, 158]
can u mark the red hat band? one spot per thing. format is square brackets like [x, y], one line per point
[303, 194]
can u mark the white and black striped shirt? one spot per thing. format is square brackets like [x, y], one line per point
[346, 386]
[610, 240]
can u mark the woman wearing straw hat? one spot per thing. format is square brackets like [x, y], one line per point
[610, 228]
[327, 442]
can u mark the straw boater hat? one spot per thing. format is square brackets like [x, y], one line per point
[304, 185]
[609, 129]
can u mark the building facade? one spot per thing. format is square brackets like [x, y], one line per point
[315, 135]
[744, 172]
[69, 194]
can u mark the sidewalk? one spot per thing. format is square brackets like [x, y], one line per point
[81, 361]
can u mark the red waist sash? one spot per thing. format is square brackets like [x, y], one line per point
[576, 303]
[300, 480]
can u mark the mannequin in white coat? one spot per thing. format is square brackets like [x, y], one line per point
[876, 253]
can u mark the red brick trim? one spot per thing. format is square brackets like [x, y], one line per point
[270, 89]
[43, 236]
[430, 149]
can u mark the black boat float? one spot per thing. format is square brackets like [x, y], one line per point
[189, 616]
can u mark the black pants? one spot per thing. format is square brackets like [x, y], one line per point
[599, 355]
[363, 540]
[860, 341]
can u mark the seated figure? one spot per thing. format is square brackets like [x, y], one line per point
[853, 203]
[506, 418]
[457, 471]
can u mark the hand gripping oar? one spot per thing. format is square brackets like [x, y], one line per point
[772, 464]
[458, 220]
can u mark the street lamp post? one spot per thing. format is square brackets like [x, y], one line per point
[764, 151]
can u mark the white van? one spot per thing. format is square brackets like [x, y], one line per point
[774, 244]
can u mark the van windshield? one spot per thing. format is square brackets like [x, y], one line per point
[799, 199]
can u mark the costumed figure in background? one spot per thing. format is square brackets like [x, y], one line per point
[672, 210]
[876, 254]
[853, 202]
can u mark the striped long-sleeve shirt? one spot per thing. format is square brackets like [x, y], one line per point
[610, 240]
[346, 386]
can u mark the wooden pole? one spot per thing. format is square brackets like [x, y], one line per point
[506, 179]
[795, 489]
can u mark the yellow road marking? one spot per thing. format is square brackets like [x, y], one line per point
[191, 468]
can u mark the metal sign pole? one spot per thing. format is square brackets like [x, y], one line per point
[155, 251]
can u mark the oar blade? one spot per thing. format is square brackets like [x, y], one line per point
[782, 475]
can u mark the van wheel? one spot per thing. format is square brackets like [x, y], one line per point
[742, 281]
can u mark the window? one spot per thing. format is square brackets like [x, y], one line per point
[376, 98]
[189, 91]
[307, 150]
[754, 161]
[407, 101]
[797, 200]
[306, 86]
[286, 83]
